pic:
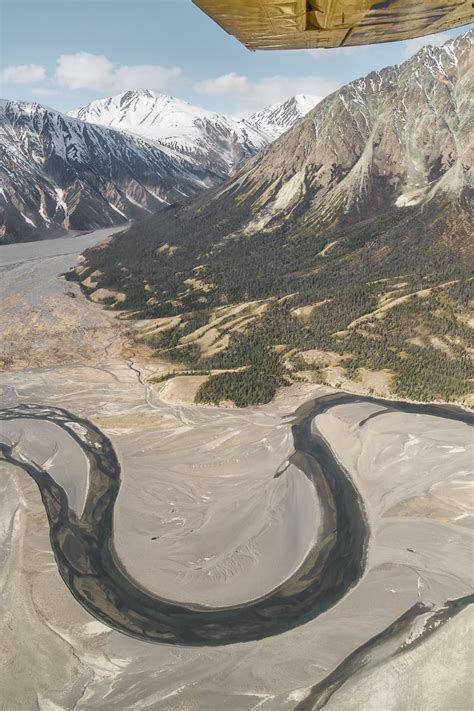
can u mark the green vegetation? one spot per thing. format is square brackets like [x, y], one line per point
[244, 388]
[403, 343]
[423, 341]
[183, 373]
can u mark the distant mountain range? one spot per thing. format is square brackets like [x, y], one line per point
[350, 234]
[213, 141]
[119, 158]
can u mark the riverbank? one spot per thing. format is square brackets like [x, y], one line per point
[84, 547]
[198, 518]
[206, 527]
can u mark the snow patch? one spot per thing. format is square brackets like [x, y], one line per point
[61, 202]
[27, 219]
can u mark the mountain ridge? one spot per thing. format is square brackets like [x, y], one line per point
[389, 129]
[278, 118]
[60, 172]
[210, 138]
[349, 236]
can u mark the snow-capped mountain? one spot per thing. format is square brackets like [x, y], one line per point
[117, 158]
[59, 173]
[280, 117]
[212, 140]
[396, 138]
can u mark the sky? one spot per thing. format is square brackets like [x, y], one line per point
[66, 53]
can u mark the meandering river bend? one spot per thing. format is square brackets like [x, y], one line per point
[84, 548]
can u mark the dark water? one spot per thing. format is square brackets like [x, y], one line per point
[88, 564]
[383, 647]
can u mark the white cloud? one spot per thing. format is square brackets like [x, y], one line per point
[83, 71]
[95, 71]
[150, 76]
[252, 95]
[23, 73]
[414, 45]
[225, 85]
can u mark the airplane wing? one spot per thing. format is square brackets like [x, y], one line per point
[305, 24]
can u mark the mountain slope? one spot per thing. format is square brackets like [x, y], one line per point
[395, 137]
[120, 159]
[58, 173]
[349, 235]
[211, 140]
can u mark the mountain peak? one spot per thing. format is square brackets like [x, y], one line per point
[131, 94]
[139, 92]
[278, 118]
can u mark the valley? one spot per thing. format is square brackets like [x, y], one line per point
[340, 254]
[236, 387]
[186, 529]
[119, 159]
